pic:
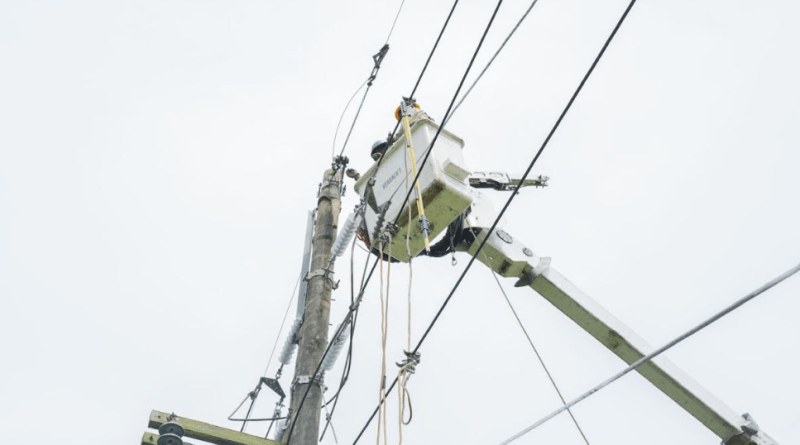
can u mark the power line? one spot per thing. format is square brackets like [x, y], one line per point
[483, 71]
[658, 351]
[510, 199]
[396, 16]
[278, 337]
[348, 317]
[377, 59]
[430, 55]
[433, 50]
[254, 394]
[365, 283]
[449, 108]
[339, 124]
[538, 356]
[358, 112]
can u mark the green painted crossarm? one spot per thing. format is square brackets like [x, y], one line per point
[206, 432]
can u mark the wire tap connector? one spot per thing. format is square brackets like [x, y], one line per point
[409, 365]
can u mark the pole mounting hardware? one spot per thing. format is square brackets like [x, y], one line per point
[328, 274]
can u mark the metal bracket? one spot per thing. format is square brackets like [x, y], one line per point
[274, 385]
[751, 434]
[502, 182]
[305, 380]
[328, 274]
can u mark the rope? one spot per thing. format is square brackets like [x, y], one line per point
[452, 101]
[514, 194]
[382, 415]
[657, 352]
[403, 393]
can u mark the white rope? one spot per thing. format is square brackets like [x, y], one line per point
[382, 423]
[402, 377]
[657, 352]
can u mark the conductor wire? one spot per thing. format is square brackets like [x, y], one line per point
[513, 194]
[657, 352]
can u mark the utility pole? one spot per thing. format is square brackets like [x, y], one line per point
[314, 331]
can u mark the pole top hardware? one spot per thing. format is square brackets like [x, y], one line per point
[274, 385]
[328, 274]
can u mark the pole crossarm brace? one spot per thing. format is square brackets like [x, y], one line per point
[510, 258]
[203, 431]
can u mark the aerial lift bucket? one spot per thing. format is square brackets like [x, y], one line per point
[443, 181]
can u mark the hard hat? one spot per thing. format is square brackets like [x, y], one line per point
[378, 147]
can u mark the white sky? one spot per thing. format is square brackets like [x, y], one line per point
[158, 158]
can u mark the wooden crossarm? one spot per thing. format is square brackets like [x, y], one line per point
[204, 431]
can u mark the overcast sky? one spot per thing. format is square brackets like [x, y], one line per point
[158, 158]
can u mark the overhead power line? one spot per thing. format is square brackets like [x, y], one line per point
[538, 356]
[377, 59]
[510, 199]
[430, 56]
[499, 49]
[657, 352]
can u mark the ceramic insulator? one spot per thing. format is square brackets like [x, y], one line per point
[336, 348]
[289, 345]
[346, 234]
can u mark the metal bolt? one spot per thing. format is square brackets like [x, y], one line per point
[527, 251]
[504, 236]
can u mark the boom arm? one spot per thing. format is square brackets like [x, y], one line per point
[509, 258]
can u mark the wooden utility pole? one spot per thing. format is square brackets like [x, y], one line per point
[314, 331]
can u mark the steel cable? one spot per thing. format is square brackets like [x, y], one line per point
[657, 352]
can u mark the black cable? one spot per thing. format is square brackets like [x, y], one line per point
[339, 124]
[449, 109]
[433, 50]
[396, 16]
[380, 160]
[377, 59]
[349, 360]
[508, 202]
[539, 356]
[322, 359]
[355, 119]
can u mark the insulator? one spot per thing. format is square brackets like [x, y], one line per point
[336, 347]
[171, 428]
[346, 234]
[289, 345]
[169, 439]
[282, 424]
